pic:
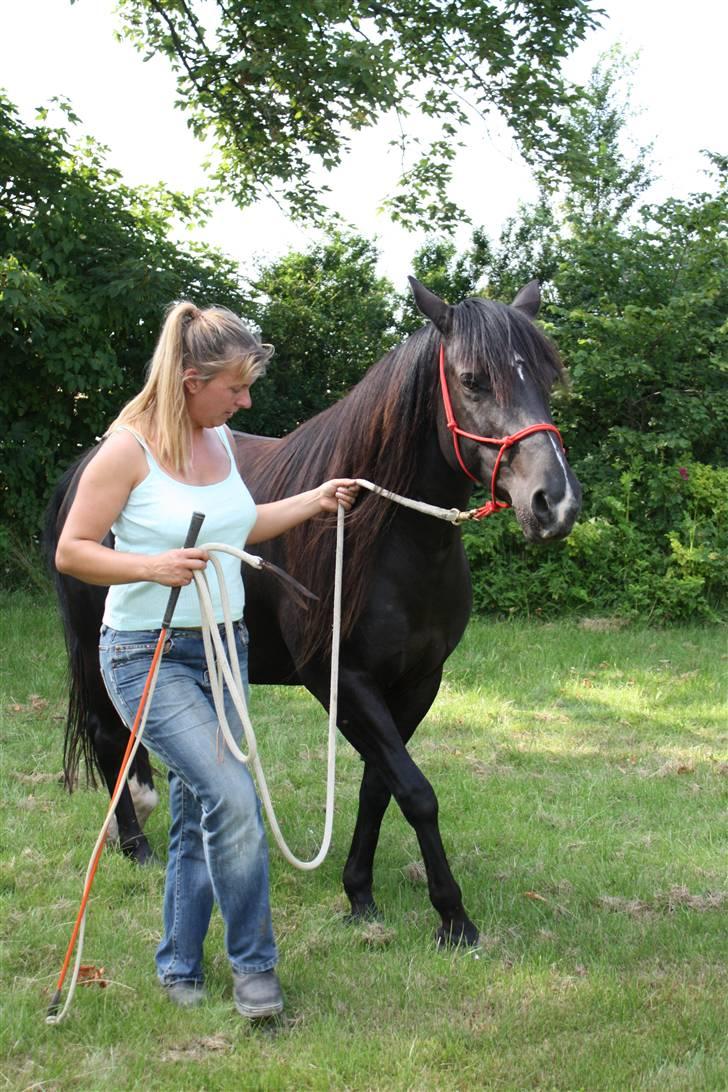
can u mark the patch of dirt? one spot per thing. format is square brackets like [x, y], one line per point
[669, 769]
[197, 1049]
[376, 935]
[636, 908]
[35, 704]
[602, 625]
[31, 802]
[680, 896]
[415, 872]
[488, 769]
[665, 902]
[37, 778]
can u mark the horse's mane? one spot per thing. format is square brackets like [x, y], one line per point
[377, 431]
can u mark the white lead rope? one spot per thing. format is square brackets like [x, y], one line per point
[221, 668]
[451, 515]
[225, 668]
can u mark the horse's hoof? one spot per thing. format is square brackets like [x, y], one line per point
[138, 850]
[462, 935]
[363, 911]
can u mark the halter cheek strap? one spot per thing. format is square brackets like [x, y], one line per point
[502, 443]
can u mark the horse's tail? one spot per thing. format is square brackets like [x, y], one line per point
[78, 605]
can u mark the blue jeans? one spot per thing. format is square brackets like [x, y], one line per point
[217, 847]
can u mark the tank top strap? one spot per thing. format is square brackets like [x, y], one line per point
[151, 461]
[219, 429]
[137, 436]
[222, 433]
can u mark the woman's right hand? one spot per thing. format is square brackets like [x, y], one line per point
[174, 568]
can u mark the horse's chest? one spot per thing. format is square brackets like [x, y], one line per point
[417, 609]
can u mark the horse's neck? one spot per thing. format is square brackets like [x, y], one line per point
[436, 481]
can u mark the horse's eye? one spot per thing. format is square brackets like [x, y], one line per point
[472, 383]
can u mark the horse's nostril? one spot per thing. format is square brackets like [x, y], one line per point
[540, 507]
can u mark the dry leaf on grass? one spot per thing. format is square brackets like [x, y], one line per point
[90, 975]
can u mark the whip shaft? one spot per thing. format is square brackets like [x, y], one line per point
[192, 532]
[53, 1015]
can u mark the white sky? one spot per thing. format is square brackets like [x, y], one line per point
[50, 47]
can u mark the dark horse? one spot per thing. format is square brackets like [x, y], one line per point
[407, 587]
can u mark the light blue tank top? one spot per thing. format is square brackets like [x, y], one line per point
[156, 518]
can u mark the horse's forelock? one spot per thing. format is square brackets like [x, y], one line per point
[492, 336]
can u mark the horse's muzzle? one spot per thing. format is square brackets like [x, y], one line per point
[553, 516]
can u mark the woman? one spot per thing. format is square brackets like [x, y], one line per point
[169, 453]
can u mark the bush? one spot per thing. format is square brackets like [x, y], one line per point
[616, 560]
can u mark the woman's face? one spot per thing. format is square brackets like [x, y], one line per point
[212, 402]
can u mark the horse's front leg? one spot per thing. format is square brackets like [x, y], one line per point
[366, 721]
[374, 796]
[408, 707]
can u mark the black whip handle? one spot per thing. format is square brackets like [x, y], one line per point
[198, 518]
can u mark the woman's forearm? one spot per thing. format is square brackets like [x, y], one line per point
[97, 564]
[279, 516]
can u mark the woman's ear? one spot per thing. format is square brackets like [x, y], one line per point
[191, 381]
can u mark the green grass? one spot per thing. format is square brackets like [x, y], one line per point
[583, 786]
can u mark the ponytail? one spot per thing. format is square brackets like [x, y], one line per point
[208, 341]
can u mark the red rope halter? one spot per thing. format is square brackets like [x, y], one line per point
[503, 443]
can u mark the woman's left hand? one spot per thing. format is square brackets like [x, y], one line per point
[338, 491]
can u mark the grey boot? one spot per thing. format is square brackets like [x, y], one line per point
[257, 995]
[185, 993]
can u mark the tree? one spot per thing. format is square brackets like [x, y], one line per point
[450, 275]
[636, 297]
[330, 317]
[86, 271]
[280, 88]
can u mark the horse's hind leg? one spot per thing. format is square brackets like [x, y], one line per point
[141, 784]
[110, 738]
[374, 796]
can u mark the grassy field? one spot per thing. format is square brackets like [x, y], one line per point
[583, 782]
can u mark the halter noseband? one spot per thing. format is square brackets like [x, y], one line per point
[503, 443]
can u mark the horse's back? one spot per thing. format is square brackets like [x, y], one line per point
[253, 455]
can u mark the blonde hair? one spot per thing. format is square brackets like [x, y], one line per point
[210, 342]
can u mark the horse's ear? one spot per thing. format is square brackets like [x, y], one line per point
[432, 307]
[528, 299]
